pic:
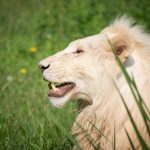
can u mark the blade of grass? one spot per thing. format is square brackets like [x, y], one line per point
[100, 132]
[130, 141]
[89, 138]
[141, 99]
[147, 110]
[114, 139]
[142, 110]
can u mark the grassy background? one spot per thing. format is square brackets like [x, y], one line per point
[26, 117]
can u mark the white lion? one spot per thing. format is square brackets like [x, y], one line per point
[87, 70]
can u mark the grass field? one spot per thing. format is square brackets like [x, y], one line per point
[29, 31]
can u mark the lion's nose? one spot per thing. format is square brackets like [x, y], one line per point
[43, 66]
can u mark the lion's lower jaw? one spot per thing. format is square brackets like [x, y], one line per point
[58, 102]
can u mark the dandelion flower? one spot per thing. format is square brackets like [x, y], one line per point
[23, 71]
[33, 49]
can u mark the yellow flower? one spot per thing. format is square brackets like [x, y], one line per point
[23, 70]
[33, 49]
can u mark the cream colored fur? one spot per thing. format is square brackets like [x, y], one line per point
[94, 71]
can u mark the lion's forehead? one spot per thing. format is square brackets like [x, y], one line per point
[89, 41]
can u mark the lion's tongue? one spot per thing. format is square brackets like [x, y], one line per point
[61, 91]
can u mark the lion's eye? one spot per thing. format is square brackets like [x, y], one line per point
[78, 51]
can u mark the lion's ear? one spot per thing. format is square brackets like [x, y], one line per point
[120, 34]
[123, 45]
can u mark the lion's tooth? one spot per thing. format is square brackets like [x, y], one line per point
[53, 87]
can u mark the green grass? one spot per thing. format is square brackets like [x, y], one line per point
[27, 120]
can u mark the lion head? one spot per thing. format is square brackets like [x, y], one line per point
[86, 69]
[79, 71]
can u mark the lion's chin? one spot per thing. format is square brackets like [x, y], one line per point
[83, 99]
[60, 101]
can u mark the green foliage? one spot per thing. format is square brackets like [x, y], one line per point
[26, 118]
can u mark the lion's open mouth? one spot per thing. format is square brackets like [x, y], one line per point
[60, 89]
